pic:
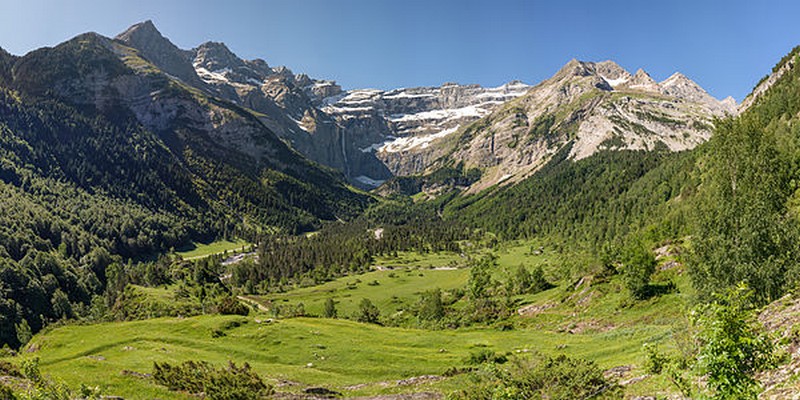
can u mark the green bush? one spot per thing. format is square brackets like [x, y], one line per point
[229, 383]
[638, 265]
[539, 377]
[232, 306]
[368, 312]
[6, 393]
[485, 356]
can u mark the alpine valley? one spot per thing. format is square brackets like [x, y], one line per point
[185, 223]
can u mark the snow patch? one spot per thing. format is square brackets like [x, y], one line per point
[300, 124]
[406, 95]
[411, 142]
[213, 76]
[372, 147]
[615, 82]
[468, 111]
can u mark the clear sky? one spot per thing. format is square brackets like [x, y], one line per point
[726, 46]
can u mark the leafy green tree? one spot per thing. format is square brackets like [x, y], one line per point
[431, 307]
[744, 231]
[480, 278]
[368, 312]
[638, 265]
[24, 333]
[733, 345]
[61, 305]
[329, 309]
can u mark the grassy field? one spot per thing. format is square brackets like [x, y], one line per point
[200, 250]
[591, 319]
[331, 353]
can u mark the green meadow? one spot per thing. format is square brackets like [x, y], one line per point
[590, 320]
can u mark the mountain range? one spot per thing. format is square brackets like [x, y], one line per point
[372, 135]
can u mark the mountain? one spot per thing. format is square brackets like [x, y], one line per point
[357, 132]
[389, 124]
[105, 157]
[373, 135]
[591, 107]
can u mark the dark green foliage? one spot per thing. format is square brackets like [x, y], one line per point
[480, 277]
[638, 265]
[368, 312]
[86, 186]
[431, 307]
[232, 306]
[9, 369]
[6, 393]
[329, 311]
[228, 383]
[485, 356]
[524, 281]
[541, 126]
[601, 198]
[728, 346]
[339, 249]
[24, 333]
[733, 345]
[540, 377]
[747, 226]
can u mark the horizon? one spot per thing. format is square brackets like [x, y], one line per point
[382, 45]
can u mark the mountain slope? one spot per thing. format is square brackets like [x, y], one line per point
[593, 106]
[105, 157]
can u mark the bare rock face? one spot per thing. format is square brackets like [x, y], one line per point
[642, 81]
[588, 106]
[158, 50]
[768, 81]
[508, 131]
[398, 126]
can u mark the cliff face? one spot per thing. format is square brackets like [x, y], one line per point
[592, 107]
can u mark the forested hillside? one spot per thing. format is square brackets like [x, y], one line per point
[94, 173]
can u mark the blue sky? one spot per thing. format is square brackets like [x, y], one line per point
[726, 46]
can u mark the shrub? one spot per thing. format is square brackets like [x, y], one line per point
[639, 264]
[329, 311]
[196, 377]
[485, 356]
[654, 361]
[367, 312]
[6, 393]
[539, 377]
[232, 306]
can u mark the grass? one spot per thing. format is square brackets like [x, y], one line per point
[593, 320]
[390, 290]
[318, 352]
[201, 250]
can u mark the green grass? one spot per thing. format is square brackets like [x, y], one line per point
[395, 289]
[342, 352]
[596, 321]
[201, 250]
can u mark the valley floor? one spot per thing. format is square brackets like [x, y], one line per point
[585, 319]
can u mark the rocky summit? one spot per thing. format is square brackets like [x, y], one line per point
[506, 131]
[587, 106]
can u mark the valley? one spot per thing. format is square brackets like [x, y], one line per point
[185, 223]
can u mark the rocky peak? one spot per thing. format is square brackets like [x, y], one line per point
[157, 49]
[680, 86]
[641, 80]
[612, 73]
[575, 68]
[215, 56]
[142, 31]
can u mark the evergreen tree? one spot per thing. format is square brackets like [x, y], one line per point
[329, 310]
